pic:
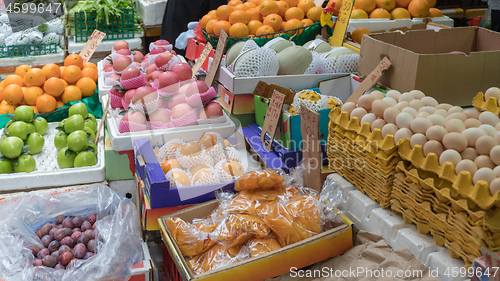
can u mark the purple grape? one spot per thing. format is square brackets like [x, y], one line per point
[68, 241]
[46, 240]
[88, 255]
[60, 219]
[86, 225]
[92, 219]
[92, 245]
[59, 266]
[77, 221]
[68, 223]
[79, 251]
[54, 246]
[34, 249]
[49, 261]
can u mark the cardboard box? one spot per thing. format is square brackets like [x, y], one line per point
[421, 60]
[268, 159]
[194, 49]
[306, 252]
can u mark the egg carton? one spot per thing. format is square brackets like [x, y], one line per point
[47, 172]
[479, 193]
[490, 104]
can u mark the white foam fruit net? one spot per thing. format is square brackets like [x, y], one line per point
[249, 45]
[169, 150]
[322, 103]
[231, 154]
[315, 63]
[256, 63]
[274, 40]
[314, 44]
[338, 64]
[189, 161]
[205, 176]
[173, 182]
[217, 148]
[223, 176]
[216, 120]
[147, 107]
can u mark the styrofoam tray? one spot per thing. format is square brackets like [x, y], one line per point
[124, 142]
[105, 46]
[48, 174]
[151, 12]
[387, 25]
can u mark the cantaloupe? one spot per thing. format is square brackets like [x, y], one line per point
[294, 60]
[318, 45]
[279, 45]
[233, 52]
[337, 52]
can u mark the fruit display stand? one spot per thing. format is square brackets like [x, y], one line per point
[48, 174]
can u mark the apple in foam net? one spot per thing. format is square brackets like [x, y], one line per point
[136, 117]
[180, 110]
[157, 50]
[115, 92]
[108, 68]
[121, 63]
[127, 98]
[163, 58]
[160, 116]
[119, 45]
[162, 42]
[130, 73]
[146, 94]
[138, 56]
[151, 68]
[183, 70]
[125, 52]
[154, 75]
[169, 81]
[114, 77]
[196, 87]
[213, 110]
[108, 63]
[176, 100]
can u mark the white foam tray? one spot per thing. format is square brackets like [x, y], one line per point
[105, 46]
[48, 174]
[387, 25]
[367, 215]
[32, 60]
[124, 142]
[151, 12]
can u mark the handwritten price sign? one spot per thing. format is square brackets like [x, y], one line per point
[311, 155]
[91, 45]
[342, 21]
[273, 114]
[370, 80]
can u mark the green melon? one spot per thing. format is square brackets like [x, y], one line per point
[233, 52]
[294, 60]
[280, 45]
[337, 52]
[322, 47]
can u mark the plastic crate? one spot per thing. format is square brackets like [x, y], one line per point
[119, 27]
[28, 50]
[300, 36]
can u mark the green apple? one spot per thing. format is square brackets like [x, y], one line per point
[9, 123]
[19, 129]
[35, 143]
[61, 124]
[11, 147]
[41, 125]
[31, 128]
[24, 164]
[24, 113]
[92, 117]
[79, 109]
[77, 141]
[73, 123]
[90, 133]
[66, 158]
[61, 140]
[92, 148]
[85, 159]
[89, 123]
[5, 166]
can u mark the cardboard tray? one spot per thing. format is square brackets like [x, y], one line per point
[314, 249]
[48, 174]
[491, 104]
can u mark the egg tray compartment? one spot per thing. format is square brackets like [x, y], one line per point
[479, 193]
[490, 104]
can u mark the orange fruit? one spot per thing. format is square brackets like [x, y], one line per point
[432, 3]
[90, 65]
[59, 104]
[254, 14]
[34, 77]
[234, 2]
[335, 4]
[1, 93]
[51, 70]
[13, 94]
[283, 7]
[54, 86]
[365, 5]
[402, 3]
[65, 83]
[87, 86]
[90, 73]
[13, 79]
[62, 68]
[314, 13]
[274, 21]
[71, 93]
[268, 7]
[46, 103]
[241, 7]
[307, 22]
[386, 4]
[293, 24]
[34, 108]
[239, 16]
[253, 25]
[294, 13]
[418, 8]
[400, 13]
[205, 19]
[22, 102]
[380, 13]
[250, 5]
[74, 59]
[212, 13]
[209, 28]
[306, 5]
[238, 30]
[6, 107]
[283, 25]
[222, 24]
[72, 73]
[255, 2]
[31, 94]
[224, 11]
[292, 3]
[264, 29]
[357, 34]
[22, 69]
[359, 14]
[435, 13]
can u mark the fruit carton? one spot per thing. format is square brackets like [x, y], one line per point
[194, 49]
[490, 104]
[301, 254]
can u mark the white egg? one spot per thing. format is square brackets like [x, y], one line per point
[455, 125]
[497, 127]
[377, 95]
[389, 129]
[402, 105]
[410, 110]
[417, 94]
[419, 139]
[494, 186]
[469, 153]
[456, 115]
[442, 112]
[403, 133]
[490, 130]
[422, 115]
[497, 137]
[433, 146]
[455, 109]
[466, 165]
[472, 123]
[436, 132]
[450, 155]
[455, 141]
[429, 101]
[472, 134]
[390, 101]
[488, 117]
[497, 171]
[378, 124]
[484, 174]
[417, 104]
[495, 154]
[379, 106]
[484, 161]
[368, 118]
[445, 106]
[403, 120]
[429, 109]
[393, 94]
[359, 113]
[484, 144]
[471, 113]
[348, 107]
[437, 119]
[420, 125]
[390, 115]
[492, 92]
[406, 97]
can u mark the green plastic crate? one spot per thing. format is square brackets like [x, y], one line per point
[119, 27]
[28, 50]
[308, 33]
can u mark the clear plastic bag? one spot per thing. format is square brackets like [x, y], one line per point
[118, 239]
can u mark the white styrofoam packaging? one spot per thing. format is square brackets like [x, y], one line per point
[32, 60]
[124, 142]
[105, 46]
[48, 173]
[387, 25]
[151, 12]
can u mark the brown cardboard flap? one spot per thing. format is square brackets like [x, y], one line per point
[487, 40]
[266, 90]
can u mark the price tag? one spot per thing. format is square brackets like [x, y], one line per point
[201, 59]
[273, 114]
[104, 117]
[370, 80]
[311, 151]
[342, 22]
[219, 51]
[91, 45]
[492, 261]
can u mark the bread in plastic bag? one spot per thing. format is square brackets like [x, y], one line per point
[266, 179]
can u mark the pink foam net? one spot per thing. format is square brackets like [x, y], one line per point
[124, 104]
[133, 83]
[189, 119]
[166, 47]
[114, 56]
[172, 62]
[127, 126]
[157, 125]
[167, 92]
[217, 120]
[116, 101]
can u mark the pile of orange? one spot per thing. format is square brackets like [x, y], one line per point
[50, 87]
[256, 17]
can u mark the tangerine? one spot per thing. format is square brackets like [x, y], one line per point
[265, 29]
[294, 13]
[253, 25]
[306, 5]
[90, 65]
[273, 20]
[239, 30]
[35, 110]
[307, 22]
[335, 4]
[46, 103]
[255, 2]
[224, 11]
[380, 13]
[21, 70]
[35, 77]
[359, 14]
[223, 25]
[358, 33]
[293, 24]
[6, 107]
[234, 2]
[239, 16]
[365, 5]
[283, 8]
[292, 3]
[71, 93]
[314, 13]
[1, 93]
[400, 13]
[74, 59]
[205, 19]
[386, 4]
[418, 8]
[209, 28]
[241, 7]
[268, 7]
[31, 94]
[435, 13]
[90, 73]
[402, 3]
[250, 5]
[432, 3]
[254, 14]
[54, 86]
[13, 79]
[51, 70]
[13, 94]
[87, 86]
[72, 73]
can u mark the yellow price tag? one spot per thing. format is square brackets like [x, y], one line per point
[342, 22]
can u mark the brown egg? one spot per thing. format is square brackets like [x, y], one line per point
[437, 119]
[368, 118]
[394, 94]
[348, 107]
[484, 161]
[494, 186]
[402, 105]
[472, 134]
[198, 167]
[377, 95]
[436, 132]
[455, 109]
[433, 146]
[428, 109]
[378, 124]
[390, 101]
[490, 130]
[389, 129]
[441, 112]
[406, 97]
[379, 106]
[445, 106]
[484, 144]
[401, 134]
[365, 101]
[450, 155]
[484, 174]
[455, 125]
[471, 113]
[410, 110]
[422, 115]
[429, 101]
[487, 117]
[419, 139]
[404, 119]
[417, 104]
[455, 141]
[472, 123]
[466, 165]
[469, 153]
[181, 179]
[417, 94]
[390, 115]
[420, 125]
[457, 115]
[359, 113]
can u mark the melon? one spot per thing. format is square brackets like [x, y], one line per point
[279, 45]
[337, 52]
[257, 62]
[320, 46]
[233, 52]
[294, 60]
